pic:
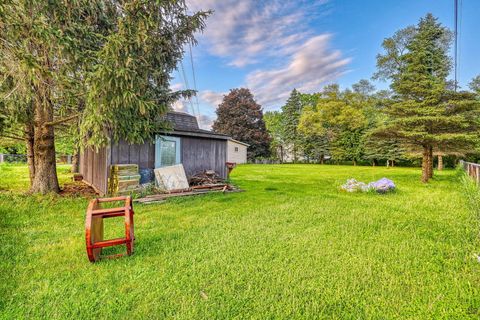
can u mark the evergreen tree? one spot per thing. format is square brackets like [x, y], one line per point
[291, 115]
[241, 117]
[474, 85]
[425, 113]
[104, 64]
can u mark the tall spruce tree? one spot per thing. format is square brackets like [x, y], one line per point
[291, 116]
[104, 64]
[241, 117]
[425, 114]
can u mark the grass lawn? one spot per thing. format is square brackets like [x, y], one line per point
[291, 246]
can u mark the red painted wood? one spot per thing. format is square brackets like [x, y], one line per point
[94, 226]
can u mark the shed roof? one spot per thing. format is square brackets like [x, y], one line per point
[239, 142]
[186, 125]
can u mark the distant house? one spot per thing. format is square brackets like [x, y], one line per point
[237, 151]
[196, 149]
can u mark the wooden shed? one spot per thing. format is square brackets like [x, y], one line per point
[196, 149]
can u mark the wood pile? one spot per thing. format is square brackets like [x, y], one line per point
[124, 178]
[207, 177]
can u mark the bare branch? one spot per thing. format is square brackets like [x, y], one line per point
[59, 121]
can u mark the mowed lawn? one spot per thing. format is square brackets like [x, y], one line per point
[292, 246]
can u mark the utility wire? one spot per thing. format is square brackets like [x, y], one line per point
[194, 79]
[187, 87]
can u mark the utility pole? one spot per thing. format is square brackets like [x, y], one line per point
[456, 43]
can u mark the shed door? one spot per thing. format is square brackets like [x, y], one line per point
[167, 151]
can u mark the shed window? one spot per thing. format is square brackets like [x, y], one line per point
[167, 151]
[236, 149]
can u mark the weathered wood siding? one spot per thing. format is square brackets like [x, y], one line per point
[93, 166]
[199, 154]
[141, 154]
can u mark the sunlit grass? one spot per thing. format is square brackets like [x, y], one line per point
[291, 246]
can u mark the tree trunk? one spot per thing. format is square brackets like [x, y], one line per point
[425, 164]
[44, 150]
[430, 162]
[440, 163]
[75, 160]
[322, 159]
[29, 141]
[354, 162]
[388, 163]
[393, 163]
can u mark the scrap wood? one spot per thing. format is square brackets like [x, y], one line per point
[204, 178]
[164, 196]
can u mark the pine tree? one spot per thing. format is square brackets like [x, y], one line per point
[105, 64]
[241, 117]
[291, 116]
[425, 114]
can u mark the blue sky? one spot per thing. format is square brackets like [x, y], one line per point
[273, 46]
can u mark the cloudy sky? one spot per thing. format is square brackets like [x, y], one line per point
[273, 46]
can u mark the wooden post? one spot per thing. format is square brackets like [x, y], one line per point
[440, 163]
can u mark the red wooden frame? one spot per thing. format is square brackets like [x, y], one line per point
[94, 227]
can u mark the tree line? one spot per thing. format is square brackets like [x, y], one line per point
[423, 114]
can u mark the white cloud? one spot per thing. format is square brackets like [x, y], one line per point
[311, 66]
[243, 31]
[205, 121]
[276, 36]
[211, 97]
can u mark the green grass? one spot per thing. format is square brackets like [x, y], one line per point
[291, 246]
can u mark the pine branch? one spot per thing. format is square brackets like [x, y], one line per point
[12, 137]
[59, 121]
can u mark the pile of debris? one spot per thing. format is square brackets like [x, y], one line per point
[78, 189]
[207, 177]
[173, 182]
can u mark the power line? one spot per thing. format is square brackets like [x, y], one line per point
[194, 79]
[187, 87]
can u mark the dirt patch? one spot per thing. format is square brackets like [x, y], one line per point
[77, 189]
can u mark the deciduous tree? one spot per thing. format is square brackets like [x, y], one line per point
[241, 117]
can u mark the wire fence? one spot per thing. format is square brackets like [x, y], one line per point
[22, 158]
[472, 169]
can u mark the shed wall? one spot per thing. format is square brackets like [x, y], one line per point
[141, 154]
[93, 166]
[239, 156]
[199, 154]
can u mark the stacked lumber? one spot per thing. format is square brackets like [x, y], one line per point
[124, 178]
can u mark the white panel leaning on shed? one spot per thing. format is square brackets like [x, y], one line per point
[237, 151]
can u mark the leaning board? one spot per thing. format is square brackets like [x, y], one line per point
[171, 178]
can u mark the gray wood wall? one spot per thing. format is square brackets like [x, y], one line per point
[141, 154]
[93, 166]
[197, 154]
